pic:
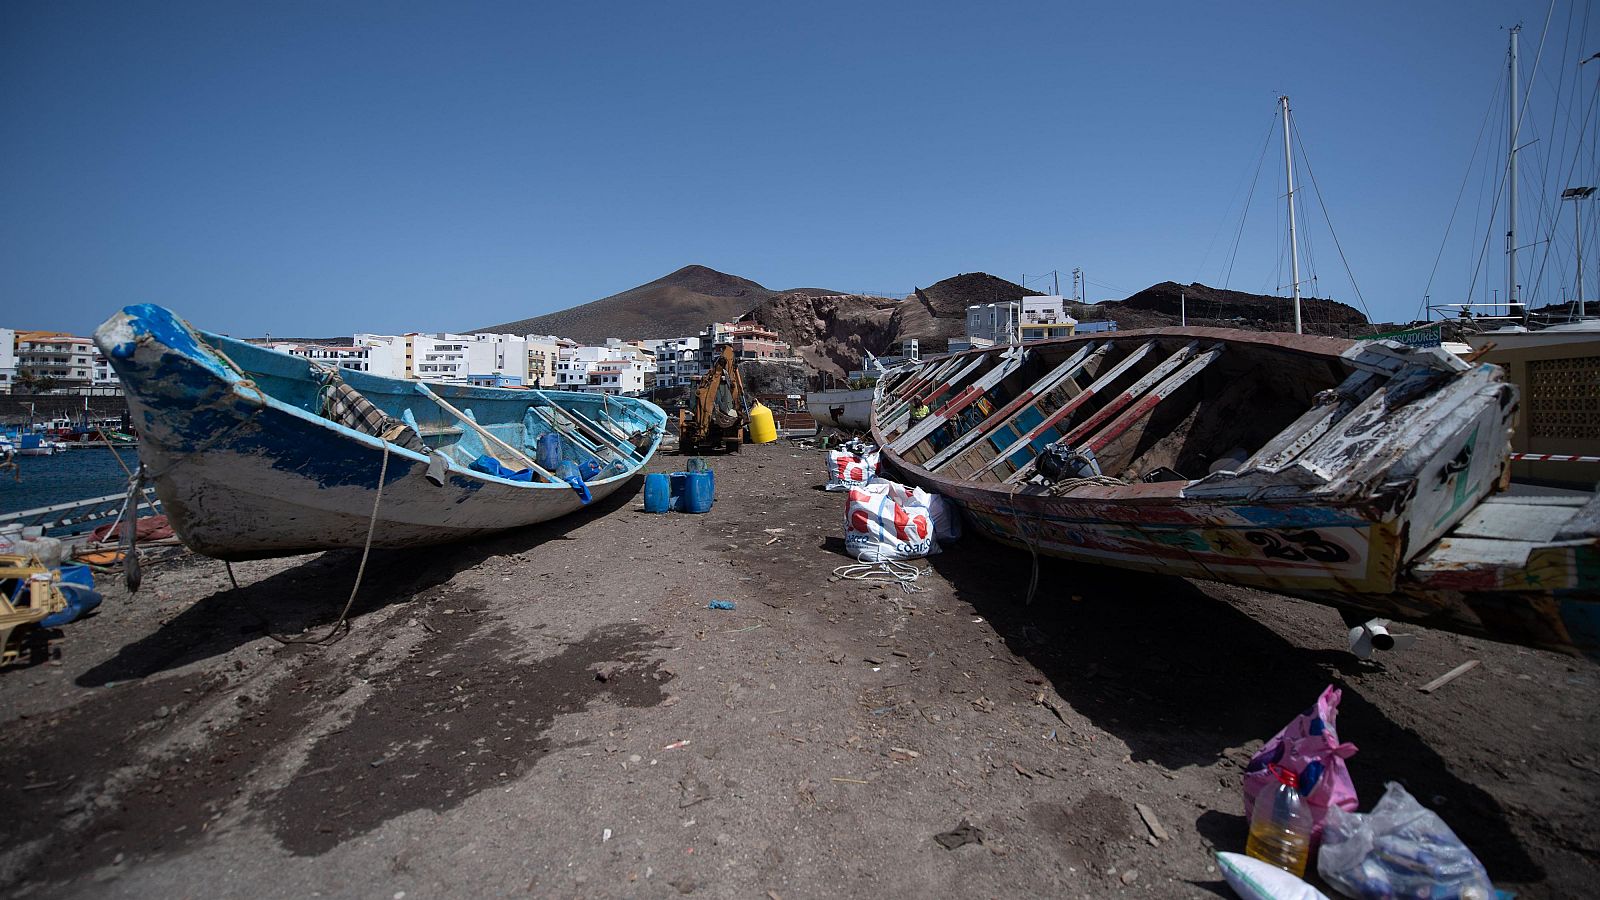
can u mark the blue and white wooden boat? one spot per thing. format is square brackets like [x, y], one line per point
[247, 467]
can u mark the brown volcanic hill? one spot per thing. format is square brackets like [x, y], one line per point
[937, 313]
[1159, 305]
[676, 305]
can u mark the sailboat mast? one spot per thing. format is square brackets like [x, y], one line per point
[1294, 246]
[1511, 177]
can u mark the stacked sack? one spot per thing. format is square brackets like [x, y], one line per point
[853, 465]
[886, 520]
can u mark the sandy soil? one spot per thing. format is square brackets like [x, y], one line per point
[557, 713]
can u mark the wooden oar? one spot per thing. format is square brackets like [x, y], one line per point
[595, 432]
[488, 435]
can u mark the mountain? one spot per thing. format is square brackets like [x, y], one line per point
[937, 313]
[676, 305]
[1161, 305]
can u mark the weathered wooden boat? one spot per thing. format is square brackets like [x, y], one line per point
[247, 463]
[1362, 474]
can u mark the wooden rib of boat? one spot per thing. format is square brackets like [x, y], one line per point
[1365, 475]
[246, 465]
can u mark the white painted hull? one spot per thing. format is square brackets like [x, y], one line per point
[842, 409]
[244, 469]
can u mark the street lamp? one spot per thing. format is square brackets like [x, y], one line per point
[1575, 194]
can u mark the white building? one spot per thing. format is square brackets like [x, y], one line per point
[621, 369]
[993, 322]
[104, 380]
[356, 357]
[66, 359]
[678, 361]
[1046, 317]
[8, 359]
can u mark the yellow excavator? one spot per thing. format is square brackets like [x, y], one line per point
[717, 417]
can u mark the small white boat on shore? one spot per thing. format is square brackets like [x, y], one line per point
[849, 409]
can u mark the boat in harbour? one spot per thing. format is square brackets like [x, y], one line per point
[256, 453]
[1361, 474]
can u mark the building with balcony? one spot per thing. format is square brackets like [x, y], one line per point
[1046, 317]
[67, 360]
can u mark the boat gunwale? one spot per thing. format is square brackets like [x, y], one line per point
[235, 383]
[1168, 493]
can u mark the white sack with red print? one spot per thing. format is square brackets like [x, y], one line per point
[885, 520]
[852, 466]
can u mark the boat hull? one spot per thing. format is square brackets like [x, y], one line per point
[842, 409]
[1356, 495]
[244, 474]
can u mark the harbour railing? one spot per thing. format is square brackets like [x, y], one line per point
[80, 516]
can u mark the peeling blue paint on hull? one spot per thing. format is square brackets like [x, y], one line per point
[247, 469]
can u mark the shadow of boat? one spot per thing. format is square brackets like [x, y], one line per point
[307, 598]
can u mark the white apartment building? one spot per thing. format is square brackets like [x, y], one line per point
[104, 380]
[620, 369]
[1046, 317]
[66, 359]
[8, 359]
[993, 322]
[678, 361]
[355, 357]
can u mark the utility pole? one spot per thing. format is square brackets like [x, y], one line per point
[1511, 177]
[1183, 309]
[1294, 247]
[1055, 275]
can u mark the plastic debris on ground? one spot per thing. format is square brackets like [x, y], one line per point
[721, 604]
[1400, 849]
[1309, 748]
[1253, 879]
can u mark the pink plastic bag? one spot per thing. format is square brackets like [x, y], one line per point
[1309, 747]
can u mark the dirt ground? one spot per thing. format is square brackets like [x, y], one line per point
[556, 713]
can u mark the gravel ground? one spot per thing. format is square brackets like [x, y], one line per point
[556, 713]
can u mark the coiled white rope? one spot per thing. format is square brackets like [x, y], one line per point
[900, 573]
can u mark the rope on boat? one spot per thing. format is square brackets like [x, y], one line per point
[1032, 540]
[341, 627]
[903, 574]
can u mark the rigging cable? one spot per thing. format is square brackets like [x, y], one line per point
[1306, 158]
[1465, 177]
[1245, 212]
[1522, 113]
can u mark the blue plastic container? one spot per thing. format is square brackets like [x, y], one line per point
[677, 486]
[77, 585]
[549, 451]
[699, 492]
[657, 493]
[568, 472]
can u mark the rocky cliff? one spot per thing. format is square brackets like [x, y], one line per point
[833, 332]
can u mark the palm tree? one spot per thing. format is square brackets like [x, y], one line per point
[30, 383]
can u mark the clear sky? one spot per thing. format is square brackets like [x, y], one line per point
[322, 168]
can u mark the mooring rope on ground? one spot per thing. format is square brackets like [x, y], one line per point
[903, 574]
[341, 627]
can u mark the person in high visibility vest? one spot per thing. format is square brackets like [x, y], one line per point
[919, 412]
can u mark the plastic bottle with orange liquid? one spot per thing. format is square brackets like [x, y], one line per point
[1280, 828]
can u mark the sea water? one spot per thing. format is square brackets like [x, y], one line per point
[64, 477]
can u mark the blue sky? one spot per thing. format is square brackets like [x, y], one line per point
[309, 169]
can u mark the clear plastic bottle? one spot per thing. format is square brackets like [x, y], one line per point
[1280, 826]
